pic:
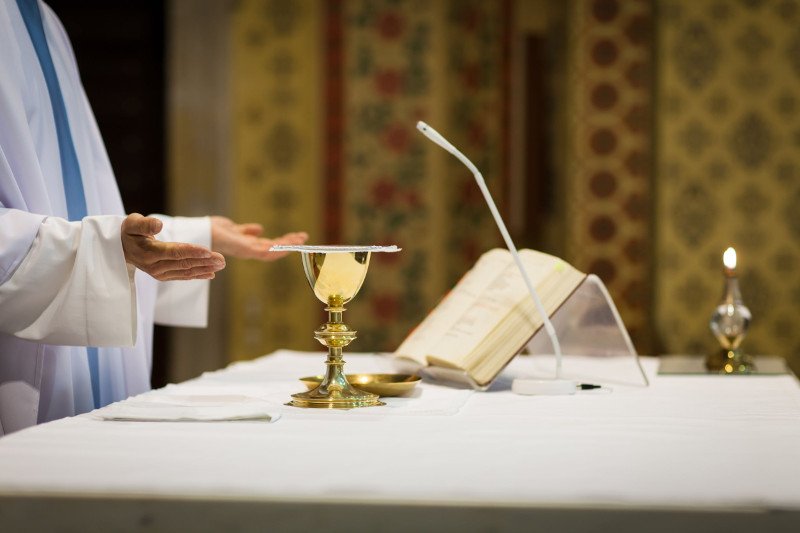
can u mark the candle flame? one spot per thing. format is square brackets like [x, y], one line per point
[729, 258]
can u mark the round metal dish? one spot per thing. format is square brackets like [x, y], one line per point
[380, 384]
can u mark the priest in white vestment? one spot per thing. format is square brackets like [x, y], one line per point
[78, 288]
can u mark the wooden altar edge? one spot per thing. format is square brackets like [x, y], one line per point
[136, 512]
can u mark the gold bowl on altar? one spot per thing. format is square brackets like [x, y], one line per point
[380, 384]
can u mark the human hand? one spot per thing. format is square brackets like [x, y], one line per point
[165, 261]
[244, 240]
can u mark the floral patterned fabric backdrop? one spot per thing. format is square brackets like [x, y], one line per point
[326, 99]
[728, 164]
[682, 127]
[607, 168]
[405, 61]
[277, 154]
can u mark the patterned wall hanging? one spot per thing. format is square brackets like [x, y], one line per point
[728, 164]
[607, 167]
[327, 95]
[442, 62]
[278, 153]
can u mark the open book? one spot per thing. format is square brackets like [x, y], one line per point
[489, 316]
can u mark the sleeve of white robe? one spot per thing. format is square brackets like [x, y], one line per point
[184, 302]
[70, 285]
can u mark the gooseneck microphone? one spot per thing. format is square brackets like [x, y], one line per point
[521, 386]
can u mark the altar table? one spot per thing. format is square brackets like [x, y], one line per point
[687, 453]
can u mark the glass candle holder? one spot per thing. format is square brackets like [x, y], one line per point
[729, 324]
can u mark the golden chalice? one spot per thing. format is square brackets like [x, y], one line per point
[335, 274]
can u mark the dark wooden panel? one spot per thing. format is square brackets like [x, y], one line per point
[537, 143]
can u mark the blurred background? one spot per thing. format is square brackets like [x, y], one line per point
[637, 139]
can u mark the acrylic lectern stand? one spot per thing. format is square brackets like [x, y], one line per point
[587, 324]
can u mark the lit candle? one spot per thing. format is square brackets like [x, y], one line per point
[729, 260]
[729, 324]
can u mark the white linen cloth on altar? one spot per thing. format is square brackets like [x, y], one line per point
[161, 406]
[276, 377]
[66, 283]
[727, 443]
[260, 389]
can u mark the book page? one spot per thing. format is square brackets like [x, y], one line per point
[490, 308]
[446, 314]
[518, 326]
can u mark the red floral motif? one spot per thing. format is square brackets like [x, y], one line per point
[389, 82]
[470, 193]
[471, 75]
[396, 138]
[390, 25]
[419, 113]
[470, 251]
[386, 307]
[388, 259]
[383, 192]
[471, 19]
[412, 199]
[476, 135]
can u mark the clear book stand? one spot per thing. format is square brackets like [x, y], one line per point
[587, 324]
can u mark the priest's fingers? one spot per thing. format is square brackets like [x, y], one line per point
[244, 246]
[136, 224]
[169, 265]
[181, 250]
[141, 251]
[259, 248]
[175, 270]
[156, 258]
[296, 237]
[251, 228]
[291, 238]
[262, 250]
[185, 274]
[188, 278]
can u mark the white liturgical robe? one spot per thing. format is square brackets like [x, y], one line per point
[65, 285]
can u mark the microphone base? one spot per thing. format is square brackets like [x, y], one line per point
[544, 387]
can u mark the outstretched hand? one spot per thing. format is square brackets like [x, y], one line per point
[165, 261]
[244, 240]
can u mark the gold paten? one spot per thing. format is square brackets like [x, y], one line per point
[336, 278]
[380, 384]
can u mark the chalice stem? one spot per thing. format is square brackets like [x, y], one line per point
[334, 372]
[336, 336]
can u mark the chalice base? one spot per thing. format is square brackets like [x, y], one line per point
[337, 399]
[730, 362]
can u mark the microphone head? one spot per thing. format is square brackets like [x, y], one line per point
[436, 137]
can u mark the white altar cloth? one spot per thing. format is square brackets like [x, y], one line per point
[716, 444]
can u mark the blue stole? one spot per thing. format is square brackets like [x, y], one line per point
[70, 170]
